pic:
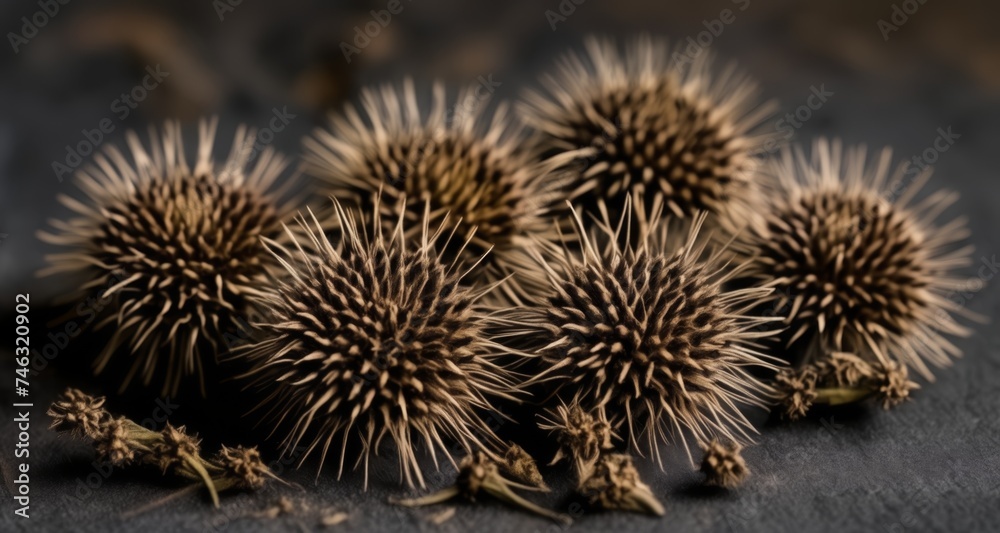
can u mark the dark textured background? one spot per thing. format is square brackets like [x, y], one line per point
[931, 465]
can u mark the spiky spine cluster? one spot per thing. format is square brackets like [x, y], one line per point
[723, 465]
[178, 247]
[376, 337]
[856, 264]
[646, 122]
[654, 339]
[465, 164]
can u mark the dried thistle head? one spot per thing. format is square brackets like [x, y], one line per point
[467, 165]
[375, 337]
[176, 448]
[643, 121]
[113, 444]
[242, 467]
[615, 485]
[796, 391]
[723, 465]
[843, 369]
[652, 338]
[177, 247]
[857, 265]
[582, 436]
[521, 466]
[81, 414]
[891, 384]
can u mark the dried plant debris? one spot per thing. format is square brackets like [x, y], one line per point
[582, 436]
[121, 442]
[467, 165]
[723, 465]
[477, 474]
[372, 337]
[654, 339]
[842, 379]
[178, 248]
[854, 269]
[644, 122]
[519, 465]
[614, 485]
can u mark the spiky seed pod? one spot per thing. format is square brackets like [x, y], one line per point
[176, 448]
[113, 444]
[465, 164]
[582, 436]
[615, 485]
[857, 265]
[796, 391]
[843, 369]
[78, 413]
[518, 464]
[892, 384]
[242, 467]
[376, 337]
[644, 121]
[653, 338]
[178, 247]
[723, 465]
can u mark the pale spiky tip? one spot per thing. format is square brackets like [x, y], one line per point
[652, 338]
[582, 436]
[79, 413]
[857, 264]
[644, 121]
[372, 336]
[465, 164]
[177, 247]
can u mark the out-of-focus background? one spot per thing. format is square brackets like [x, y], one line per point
[920, 75]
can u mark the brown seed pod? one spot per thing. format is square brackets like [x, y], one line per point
[465, 164]
[723, 465]
[891, 384]
[644, 121]
[582, 436]
[652, 338]
[177, 247]
[375, 337]
[856, 264]
[79, 413]
[796, 391]
[615, 485]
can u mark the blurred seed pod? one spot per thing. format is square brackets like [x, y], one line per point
[857, 264]
[178, 248]
[643, 120]
[465, 163]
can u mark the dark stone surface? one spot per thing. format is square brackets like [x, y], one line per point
[931, 465]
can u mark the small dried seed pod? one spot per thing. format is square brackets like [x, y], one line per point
[521, 466]
[240, 468]
[843, 369]
[177, 247]
[796, 391]
[892, 384]
[614, 485]
[582, 437]
[79, 413]
[723, 465]
[375, 337]
[113, 445]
